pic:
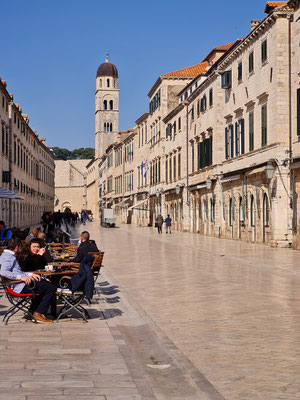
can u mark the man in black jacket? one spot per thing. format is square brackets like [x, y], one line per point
[85, 247]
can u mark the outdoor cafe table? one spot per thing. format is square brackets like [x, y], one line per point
[59, 258]
[55, 273]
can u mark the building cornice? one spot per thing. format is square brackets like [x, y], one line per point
[175, 111]
[142, 118]
[260, 29]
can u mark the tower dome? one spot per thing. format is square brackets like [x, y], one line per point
[107, 69]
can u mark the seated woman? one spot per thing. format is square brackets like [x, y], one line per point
[32, 257]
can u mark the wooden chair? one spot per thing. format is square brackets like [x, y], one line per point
[97, 264]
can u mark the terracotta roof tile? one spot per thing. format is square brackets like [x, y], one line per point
[224, 46]
[191, 72]
[273, 4]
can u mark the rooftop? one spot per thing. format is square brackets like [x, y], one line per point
[190, 72]
[273, 4]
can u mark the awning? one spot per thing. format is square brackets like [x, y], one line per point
[138, 204]
[8, 194]
[256, 171]
[231, 178]
[121, 202]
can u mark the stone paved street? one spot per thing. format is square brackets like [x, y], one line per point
[177, 316]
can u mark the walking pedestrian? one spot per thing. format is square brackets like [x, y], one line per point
[168, 223]
[159, 222]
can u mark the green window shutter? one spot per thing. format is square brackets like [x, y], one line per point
[211, 100]
[210, 151]
[202, 155]
[251, 61]
[240, 71]
[236, 139]
[264, 125]
[298, 111]
[251, 131]
[231, 141]
[226, 144]
[242, 132]
[264, 51]
[198, 156]
[206, 152]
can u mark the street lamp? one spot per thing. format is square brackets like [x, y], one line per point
[269, 170]
[208, 183]
[177, 189]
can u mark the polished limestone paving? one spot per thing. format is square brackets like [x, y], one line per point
[174, 317]
[226, 312]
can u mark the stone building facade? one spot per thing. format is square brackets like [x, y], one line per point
[27, 166]
[218, 148]
[71, 185]
[293, 158]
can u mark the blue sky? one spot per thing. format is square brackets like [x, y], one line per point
[50, 52]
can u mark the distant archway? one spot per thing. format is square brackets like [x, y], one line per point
[66, 205]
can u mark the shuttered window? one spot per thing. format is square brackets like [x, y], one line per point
[166, 171]
[240, 71]
[179, 165]
[198, 155]
[264, 52]
[211, 99]
[251, 131]
[226, 144]
[204, 153]
[264, 125]
[174, 167]
[193, 157]
[242, 135]
[251, 62]
[298, 111]
[237, 139]
[231, 141]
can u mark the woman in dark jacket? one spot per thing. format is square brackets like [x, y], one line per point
[32, 258]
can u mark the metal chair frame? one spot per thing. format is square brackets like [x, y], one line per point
[19, 302]
[72, 301]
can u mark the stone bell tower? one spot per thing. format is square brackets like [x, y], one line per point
[106, 107]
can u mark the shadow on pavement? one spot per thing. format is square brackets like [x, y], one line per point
[111, 313]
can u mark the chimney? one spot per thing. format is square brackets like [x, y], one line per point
[254, 23]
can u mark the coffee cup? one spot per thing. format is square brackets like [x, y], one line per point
[49, 268]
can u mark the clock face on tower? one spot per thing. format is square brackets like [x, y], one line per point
[106, 107]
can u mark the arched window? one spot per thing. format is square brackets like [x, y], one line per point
[110, 127]
[266, 210]
[252, 211]
[101, 83]
[230, 212]
[108, 82]
[105, 105]
[111, 105]
[105, 126]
